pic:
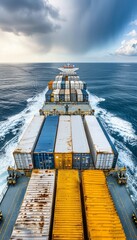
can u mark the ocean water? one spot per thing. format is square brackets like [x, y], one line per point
[113, 95]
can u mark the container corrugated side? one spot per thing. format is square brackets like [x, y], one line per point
[67, 95]
[67, 85]
[62, 95]
[68, 223]
[111, 144]
[44, 151]
[73, 96]
[54, 85]
[56, 95]
[48, 95]
[23, 154]
[100, 148]
[35, 215]
[63, 146]
[81, 151]
[79, 95]
[102, 219]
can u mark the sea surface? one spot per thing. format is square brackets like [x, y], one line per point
[113, 95]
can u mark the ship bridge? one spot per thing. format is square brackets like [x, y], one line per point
[68, 70]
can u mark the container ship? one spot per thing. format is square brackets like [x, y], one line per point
[66, 184]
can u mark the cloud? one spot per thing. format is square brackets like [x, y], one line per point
[133, 33]
[88, 23]
[28, 17]
[134, 22]
[128, 48]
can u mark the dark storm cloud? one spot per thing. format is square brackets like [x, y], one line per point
[98, 21]
[28, 16]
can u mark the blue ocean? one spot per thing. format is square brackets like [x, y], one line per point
[113, 95]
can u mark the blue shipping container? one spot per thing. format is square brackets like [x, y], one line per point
[63, 85]
[81, 160]
[111, 144]
[44, 151]
[85, 95]
[48, 95]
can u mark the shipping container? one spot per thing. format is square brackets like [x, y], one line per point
[111, 144]
[67, 85]
[101, 150]
[57, 78]
[54, 85]
[62, 95]
[48, 96]
[50, 85]
[44, 150]
[72, 84]
[80, 147]
[79, 95]
[59, 84]
[73, 96]
[80, 85]
[85, 95]
[68, 223]
[67, 95]
[76, 85]
[56, 95]
[23, 154]
[63, 146]
[35, 215]
[101, 217]
[63, 84]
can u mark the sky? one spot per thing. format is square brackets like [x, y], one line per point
[68, 31]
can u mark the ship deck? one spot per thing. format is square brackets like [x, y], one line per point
[73, 108]
[124, 207]
[10, 206]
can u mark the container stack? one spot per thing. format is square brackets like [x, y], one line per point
[34, 219]
[81, 152]
[66, 85]
[63, 146]
[44, 151]
[102, 153]
[23, 154]
[68, 223]
[101, 216]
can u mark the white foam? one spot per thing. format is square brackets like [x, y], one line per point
[23, 118]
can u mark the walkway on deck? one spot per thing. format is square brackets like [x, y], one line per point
[124, 206]
[10, 206]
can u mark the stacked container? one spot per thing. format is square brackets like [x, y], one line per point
[63, 84]
[56, 95]
[67, 95]
[101, 150]
[79, 95]
[48, 95]
[67, 84]
[63, 147]
[54, 85]
[59, 84]
[62, 95]
[68, 222]
[73, 96]
[72, 85]
[80, 84]
[35, 216]
[85, 95]
[44, 150]
[101, 216]
[76, 85]
[24, 152]
[81, 152]
[50, 85]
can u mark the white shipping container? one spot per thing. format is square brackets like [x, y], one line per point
[76, 84]
[59, 84]
[57, 78]
[35, 215]
[60, 78]
[101, 150]
[56, 95]
[24, 150]
[79, 139]
[79, 95]
[54, 85]
[72, 84]
[80, 84]
[67, 95]
[63, 139]
[67, 84]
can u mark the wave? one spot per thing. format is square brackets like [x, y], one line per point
[16, 124]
